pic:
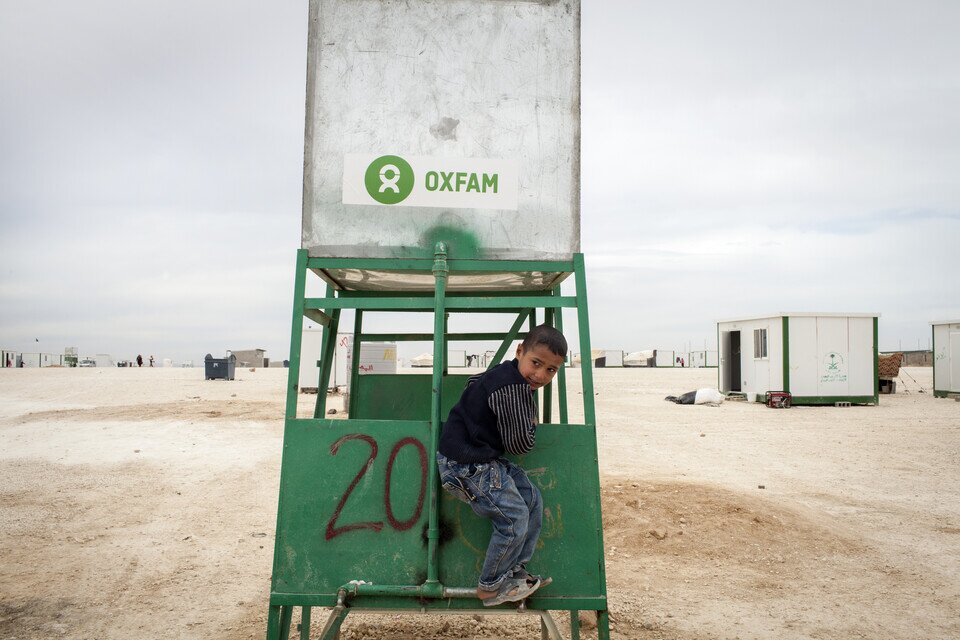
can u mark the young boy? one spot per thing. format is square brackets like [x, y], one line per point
[497, 414]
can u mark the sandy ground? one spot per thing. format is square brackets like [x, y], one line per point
[141, 503]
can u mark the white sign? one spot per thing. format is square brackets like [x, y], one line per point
[431, 181]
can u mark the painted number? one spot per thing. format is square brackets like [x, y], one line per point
[332, 530]
[406, 524]
[400, 525]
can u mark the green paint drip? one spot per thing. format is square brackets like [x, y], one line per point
[461, 244]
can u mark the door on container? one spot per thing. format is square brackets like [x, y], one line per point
[954, 361]
[730, 343]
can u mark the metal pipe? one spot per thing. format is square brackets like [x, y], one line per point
[586, 361]
[432, 586]
[335, 615]
[411, 591]
[562, 374]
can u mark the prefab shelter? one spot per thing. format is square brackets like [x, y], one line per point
[8, 358]
[664, 358]
[946, 358]
[35, 360]
[457, 358]
[51, 360]
[249, 357]
[702, 358]
[310, 346]
[29, 360]
[104, 360]
[819, 358]
[375, 357]
[606, 357]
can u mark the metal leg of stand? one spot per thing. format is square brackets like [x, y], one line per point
[574, 625]
[305, 623]
[273, 623]
[331, 630]
[286, 615]
[548, 628]
[603, 625]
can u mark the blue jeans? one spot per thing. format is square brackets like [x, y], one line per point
[501, 491]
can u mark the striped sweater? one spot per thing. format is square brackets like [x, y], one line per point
[495, 414]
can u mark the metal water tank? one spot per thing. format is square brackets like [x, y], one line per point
[455, 121]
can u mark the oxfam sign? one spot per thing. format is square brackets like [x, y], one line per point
[430, 181]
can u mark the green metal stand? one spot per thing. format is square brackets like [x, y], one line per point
[362, 524]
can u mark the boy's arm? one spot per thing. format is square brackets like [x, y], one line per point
[516, 417]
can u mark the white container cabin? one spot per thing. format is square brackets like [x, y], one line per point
[606, 357]
[8, 358]
[40, 360]
[946, 358]
[819, 358]
[310, 345]
[702, 359]
[375, 357]
[664, 358]
[106, 360]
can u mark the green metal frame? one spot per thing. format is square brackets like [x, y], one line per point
[426, 592]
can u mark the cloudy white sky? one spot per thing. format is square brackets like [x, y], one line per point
[738, 158]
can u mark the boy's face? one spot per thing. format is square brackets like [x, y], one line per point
[538, 364]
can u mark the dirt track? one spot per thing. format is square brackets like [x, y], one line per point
[141, 503]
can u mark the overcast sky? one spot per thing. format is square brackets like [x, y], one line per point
[738, 158]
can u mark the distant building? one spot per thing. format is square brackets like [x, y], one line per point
[700, 359]
[946, 358]
[923, 358]
[606, 358]
[665, 358]
[249, 357]
[35, 360]
[9, 358]
[819, 358]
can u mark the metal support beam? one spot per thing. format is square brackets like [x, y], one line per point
[586, 361]
[482, 304]
[509, 338]
[305, 623]
[439, 345]
[562, 375]
[293, 375]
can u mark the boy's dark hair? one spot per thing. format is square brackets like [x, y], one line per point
[549, 337]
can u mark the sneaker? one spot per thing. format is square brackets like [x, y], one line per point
[511, 590]
[530, 578]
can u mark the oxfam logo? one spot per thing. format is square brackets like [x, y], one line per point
[389, 179]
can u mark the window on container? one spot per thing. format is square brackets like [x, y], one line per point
[759, 343]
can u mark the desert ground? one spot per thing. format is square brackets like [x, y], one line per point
[141, 503]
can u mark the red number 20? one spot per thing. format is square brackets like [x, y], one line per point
[400, 525]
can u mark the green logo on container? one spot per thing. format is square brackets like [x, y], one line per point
[389, 179]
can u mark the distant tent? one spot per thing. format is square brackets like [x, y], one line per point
[638, 358]
[422, 360]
